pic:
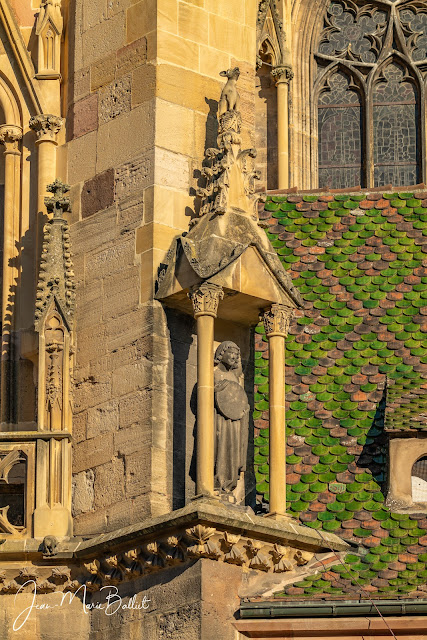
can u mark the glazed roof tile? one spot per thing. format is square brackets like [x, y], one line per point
[360, 263]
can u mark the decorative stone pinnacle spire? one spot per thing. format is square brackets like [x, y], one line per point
[228, 170]
[56, 278]
[58, 203]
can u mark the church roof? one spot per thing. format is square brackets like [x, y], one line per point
[406, 407]
[360, 263]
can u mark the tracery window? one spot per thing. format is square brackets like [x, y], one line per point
[369, 93]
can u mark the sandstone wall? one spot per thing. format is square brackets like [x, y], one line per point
[143, 91]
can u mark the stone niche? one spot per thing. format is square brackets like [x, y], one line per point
[183, 345]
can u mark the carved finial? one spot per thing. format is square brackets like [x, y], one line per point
[229, 172]
[56, 278]
[58, 203]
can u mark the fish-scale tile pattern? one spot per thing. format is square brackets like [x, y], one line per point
[406, 409]
[360, 263]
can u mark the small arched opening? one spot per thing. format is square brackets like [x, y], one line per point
[419, 480]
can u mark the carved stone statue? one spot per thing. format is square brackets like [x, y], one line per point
[228, 169]
[230, 99]
[231, 418]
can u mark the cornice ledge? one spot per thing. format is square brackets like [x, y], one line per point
[215, 514]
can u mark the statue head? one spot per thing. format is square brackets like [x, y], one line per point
[228, 353]
[231, 73]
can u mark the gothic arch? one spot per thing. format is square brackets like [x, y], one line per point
[9, 102]
[385, 43]
[306, 26]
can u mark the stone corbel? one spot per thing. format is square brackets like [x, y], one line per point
[49, 28]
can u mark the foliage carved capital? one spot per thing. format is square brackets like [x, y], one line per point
[46, 126]
[10, 135]
[205, 298]
[282, 74]
[277, 320]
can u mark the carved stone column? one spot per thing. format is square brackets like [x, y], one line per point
[10, 136]
[282, 76]
[276, 321]
[205, 299]
[46, 128]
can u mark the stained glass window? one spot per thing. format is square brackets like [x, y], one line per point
[340, 134]
[395, 130]
[371, 58]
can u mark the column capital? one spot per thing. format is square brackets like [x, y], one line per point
[205, 298]
[277, 320]
[10, 135]
[282, 74]
[46, 126]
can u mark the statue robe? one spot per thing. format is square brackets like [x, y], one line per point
[231, 426]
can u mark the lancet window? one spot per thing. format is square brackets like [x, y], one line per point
[371, 59]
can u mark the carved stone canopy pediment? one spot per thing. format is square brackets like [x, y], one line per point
[233, 252]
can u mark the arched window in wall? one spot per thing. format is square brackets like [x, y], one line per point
[369, 93]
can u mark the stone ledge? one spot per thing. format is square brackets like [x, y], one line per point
[204, 529]
[215, 514]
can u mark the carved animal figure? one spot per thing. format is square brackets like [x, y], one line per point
[49, 546]
[230, 99]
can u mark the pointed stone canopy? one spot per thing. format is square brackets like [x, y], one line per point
[271, 41]
[226, 245]
[56, 278]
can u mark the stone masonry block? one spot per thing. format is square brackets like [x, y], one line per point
[121, 292]
[82, 492]
[193, 22]
[95, 232]
[178, 50]
[103, 38]
[131, 56]
[120, 332]
[131, 212]
[140, 19]
[115, 99]
[138, 467]
[127, 441]
[131, 377]
[92, 453]
[124, 138]
[172, 169]
[98, 193]
[109, 483]
[184, 87]
[101, 264]
[143, 84]
[134, 409]
[84, 116]
[135, 175]
[90, 393]
[102, 72]
[82, 157]
[103, 419]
